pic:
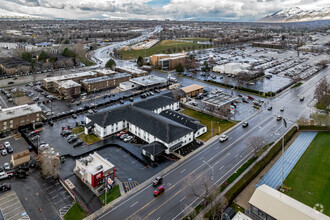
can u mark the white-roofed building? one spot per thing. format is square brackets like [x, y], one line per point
[268, 203]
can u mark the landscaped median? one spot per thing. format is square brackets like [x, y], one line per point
[89, 138]
[76, 212]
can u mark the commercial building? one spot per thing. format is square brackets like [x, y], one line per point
[124, 86]
[148, 81]
[268, 203]
[167, 61]
[162, 132]
[268, 44]
[68, 88]
[231, 68]
[135, 72]
[145, 44]
[104, 72]
[14, 66]
[48, 82]
[193, 90]
[14, 117]
[104, 82]
[94, 170]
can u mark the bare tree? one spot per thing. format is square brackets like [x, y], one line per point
[321, 89]
[257, 142]
[48, 160]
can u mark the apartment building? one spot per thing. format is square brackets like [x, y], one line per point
[104, 82]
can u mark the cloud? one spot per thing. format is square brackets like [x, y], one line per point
[241, 10]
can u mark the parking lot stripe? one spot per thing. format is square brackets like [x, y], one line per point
[11, 205]
[9, 200]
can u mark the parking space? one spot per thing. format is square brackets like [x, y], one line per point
[11, 206]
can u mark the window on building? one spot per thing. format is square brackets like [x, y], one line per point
[11, 122]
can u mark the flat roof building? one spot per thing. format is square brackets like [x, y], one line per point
[104, 72]
[135, 72]
[167, 61]
[268, 203]
[94, 170]
[68, 88]
[148, 81]
[14, 117]
[193, 90]
[104, 82]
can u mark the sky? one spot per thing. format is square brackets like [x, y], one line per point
[207, 10]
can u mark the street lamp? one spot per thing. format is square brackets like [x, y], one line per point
[212, 173]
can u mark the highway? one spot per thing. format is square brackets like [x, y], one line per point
[102, 55]
[224, 158]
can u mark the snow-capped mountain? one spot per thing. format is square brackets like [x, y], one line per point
[296, 14]
[4, 14]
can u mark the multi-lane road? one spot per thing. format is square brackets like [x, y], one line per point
[223, 158]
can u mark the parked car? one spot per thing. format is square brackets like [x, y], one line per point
[250, 97]
[245, 124]
[282, 109]
[279, 118]
[6, 166]
[121, 101]
[269, 108]
[302, 98]
[4, 152]
[2, 147]
[10, 150]
[78, 143]
[51, 123]
[245, 100]
[5, 187]
[65, 132]
[128, 139]
[74, 116]
[159, 191]
[157, 181]
[72, 139]
[121, 133]
[122, 137]
[7, 144]
[223, 138]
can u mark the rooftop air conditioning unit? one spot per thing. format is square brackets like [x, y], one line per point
[100, 167]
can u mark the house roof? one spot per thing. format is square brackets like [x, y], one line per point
[155, 102]
[156, 125]
[154, 148]
[182, 119]
[281, 206]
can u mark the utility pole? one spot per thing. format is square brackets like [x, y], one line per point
[105, 191]
[212, 171]
[282, 178]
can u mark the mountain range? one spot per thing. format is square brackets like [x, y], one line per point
[296, 14]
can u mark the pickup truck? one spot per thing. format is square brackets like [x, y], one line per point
[4, 175]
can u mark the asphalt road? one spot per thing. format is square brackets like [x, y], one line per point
[224, 158]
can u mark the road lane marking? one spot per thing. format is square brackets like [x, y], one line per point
[183, 170]
[222, 167]
[185, 208]
[217, 148]
[134, 204]
[201, 158]
[182, 199]
[236, 155]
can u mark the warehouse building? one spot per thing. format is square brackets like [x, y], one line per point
[167, 61]
[14, 117]
[68, 88]
[94, 170]
[104, 82]
[268, 203]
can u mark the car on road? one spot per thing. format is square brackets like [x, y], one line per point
[223, 138]
[157, 181]
[269, 108]
[6, 166]
[245, 124]
[279, 118]
[4, 152]
[302, 98]
[78, 143]
[159, 191]
[5, 187]
[282, 109]
[10, 83]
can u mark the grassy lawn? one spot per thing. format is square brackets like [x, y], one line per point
[237, 208]
[89, 139]
[195, 39]
[207, 121]
[76, 212]
[113, 194]
[297, 85]
[310, 178]
[78, 130]
[162, 47]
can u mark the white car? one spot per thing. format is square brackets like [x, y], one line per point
[223, 138]
[128, 139]
[6, 166]
[7, 144]
[282, 109]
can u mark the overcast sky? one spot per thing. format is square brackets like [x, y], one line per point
[214, 10]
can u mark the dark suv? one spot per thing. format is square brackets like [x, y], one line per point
[157, 181]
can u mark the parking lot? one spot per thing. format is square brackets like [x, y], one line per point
[11, 206]
[18, 145]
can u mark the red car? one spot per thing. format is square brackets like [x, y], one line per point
[121, 133]
[159, 190]
[250, 97]
[2, 147]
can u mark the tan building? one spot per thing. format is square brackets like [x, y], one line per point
[104, 82]
[268, 203]
[167, 61]
[14, 117]
[68, 88]
[15, 66]
[49, 82]
[193, 90]
[20, 158]
[94, 170]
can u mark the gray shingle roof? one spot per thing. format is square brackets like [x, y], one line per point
[154, 148]
[155, 102]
